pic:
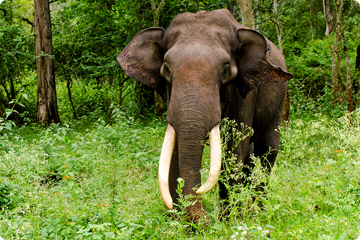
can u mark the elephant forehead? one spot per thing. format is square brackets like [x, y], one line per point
[212, 28]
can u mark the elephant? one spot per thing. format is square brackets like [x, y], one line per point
[211, 67]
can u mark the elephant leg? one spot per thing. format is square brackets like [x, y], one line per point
[267, 145]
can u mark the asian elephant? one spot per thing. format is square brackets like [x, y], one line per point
[212, 67]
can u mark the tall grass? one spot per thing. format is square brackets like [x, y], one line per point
[81, 181]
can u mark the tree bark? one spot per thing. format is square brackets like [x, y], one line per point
[333, 75]
[357, 69]
[286, 112]
[156, 11]
[349, 100]
[278, 29]
[328, 17]
[159, 104]
[47, 109]
[357, 64]
[337, 51]
[246, 12]
[70, 98]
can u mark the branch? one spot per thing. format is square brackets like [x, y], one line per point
[25, 20]
[4, 11]
[347, 17]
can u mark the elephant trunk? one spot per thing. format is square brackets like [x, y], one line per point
[189, 135]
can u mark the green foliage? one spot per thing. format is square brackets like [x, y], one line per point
[99, 181]
[5, 123]
[9, 195]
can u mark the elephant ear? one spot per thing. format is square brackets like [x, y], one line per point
[254, 69]
[142, 58]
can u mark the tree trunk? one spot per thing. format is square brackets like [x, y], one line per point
[328, 17]
[357, 70]
[47, 109]
[357, 64]
[159, 104]
[312, 22]
[70, 98]
[246, 12]
[256, 16]
[337, 51]
[349, 101]
[333, 75]
[286, 112]
[278, 29]
[14, 115]
[121, 86]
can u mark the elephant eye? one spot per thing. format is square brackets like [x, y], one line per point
[226, 71]
[166, 69]
[166, 73]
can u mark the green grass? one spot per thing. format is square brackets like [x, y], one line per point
[98, 181]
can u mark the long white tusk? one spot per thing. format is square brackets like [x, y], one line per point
[215, 161]
[164, 165]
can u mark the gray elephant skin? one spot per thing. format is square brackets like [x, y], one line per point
[212, 68]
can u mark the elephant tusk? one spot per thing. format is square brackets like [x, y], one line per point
[215, 161]
[164, 165]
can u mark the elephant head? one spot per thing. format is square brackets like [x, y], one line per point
[194, 59]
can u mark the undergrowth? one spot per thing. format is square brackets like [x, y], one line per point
[99, 181]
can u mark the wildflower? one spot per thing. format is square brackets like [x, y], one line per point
[63, 179]
[73, 175]
[42, 194]
[67, 215]
[338, 191]
[109, 181]
[259, 228]
[340, 150]
[342, 169]
[296, 238]
[328, 169]
[336, 151]
[106, 205]
[56, 216]
[69, 223]
[327, 166]
[67, 177]
[101, 205]
[52, 172]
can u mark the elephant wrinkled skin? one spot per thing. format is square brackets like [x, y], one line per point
[212, 68]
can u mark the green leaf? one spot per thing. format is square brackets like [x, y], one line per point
[8, 125]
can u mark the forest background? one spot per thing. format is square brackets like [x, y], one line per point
[98, 105]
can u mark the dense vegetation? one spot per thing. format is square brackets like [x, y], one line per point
[94, 176]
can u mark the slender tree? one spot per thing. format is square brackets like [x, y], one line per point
[337, 84]
[159, 104]
[357, 64]
[246, 12]
[357, 69]
[47, 109]
[328, 17]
